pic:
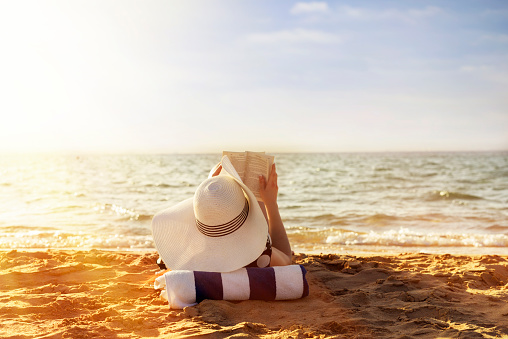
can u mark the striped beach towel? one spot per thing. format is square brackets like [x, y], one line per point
[187, 288]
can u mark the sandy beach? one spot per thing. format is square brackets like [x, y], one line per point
[102, 294]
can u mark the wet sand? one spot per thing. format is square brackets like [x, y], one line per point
[102, 294]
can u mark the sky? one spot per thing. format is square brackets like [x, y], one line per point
[278, 76]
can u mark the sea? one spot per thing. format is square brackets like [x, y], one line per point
[345, 203]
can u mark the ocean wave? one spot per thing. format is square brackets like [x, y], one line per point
[356, 218]
[142, 217]
[446, 195]
[426, 175]
[380, 218]
[326, 216]
[64, 208]
[23, 228]
[407, 238]
[165, 185]
[291, 207]
[34, 239]
[123, 213]
[498, 228]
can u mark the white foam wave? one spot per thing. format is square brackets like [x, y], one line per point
[37, 239]
[407, 238]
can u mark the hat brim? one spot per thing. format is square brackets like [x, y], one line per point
[183, 247]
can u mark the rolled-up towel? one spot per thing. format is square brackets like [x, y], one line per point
[187, 288]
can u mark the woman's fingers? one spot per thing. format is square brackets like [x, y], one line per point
[262, 183]
[217, 171]
[273, 176]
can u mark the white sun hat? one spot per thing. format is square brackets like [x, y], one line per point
[221, 229]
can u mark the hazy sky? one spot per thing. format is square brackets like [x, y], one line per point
[279, 76]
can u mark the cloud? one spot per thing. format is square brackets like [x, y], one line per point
[309, 7]
[410, 15]
[297, 35]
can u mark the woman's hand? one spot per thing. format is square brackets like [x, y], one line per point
[269, 189]
[217, 170]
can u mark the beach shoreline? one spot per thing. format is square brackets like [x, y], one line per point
[104, 294]
[352, 250]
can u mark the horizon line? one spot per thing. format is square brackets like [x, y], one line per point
[78, 153]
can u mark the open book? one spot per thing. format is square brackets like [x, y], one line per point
[250, 165]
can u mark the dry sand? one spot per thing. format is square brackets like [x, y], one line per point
[100, 294]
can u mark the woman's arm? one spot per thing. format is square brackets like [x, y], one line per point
[280, 243]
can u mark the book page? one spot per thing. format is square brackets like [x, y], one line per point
[257, 164]
[239, 161]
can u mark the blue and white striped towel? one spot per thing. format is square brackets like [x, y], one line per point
[187, 288]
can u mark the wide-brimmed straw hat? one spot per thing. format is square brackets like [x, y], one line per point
[221, 229]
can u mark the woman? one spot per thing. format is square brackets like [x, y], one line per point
[223, 228]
